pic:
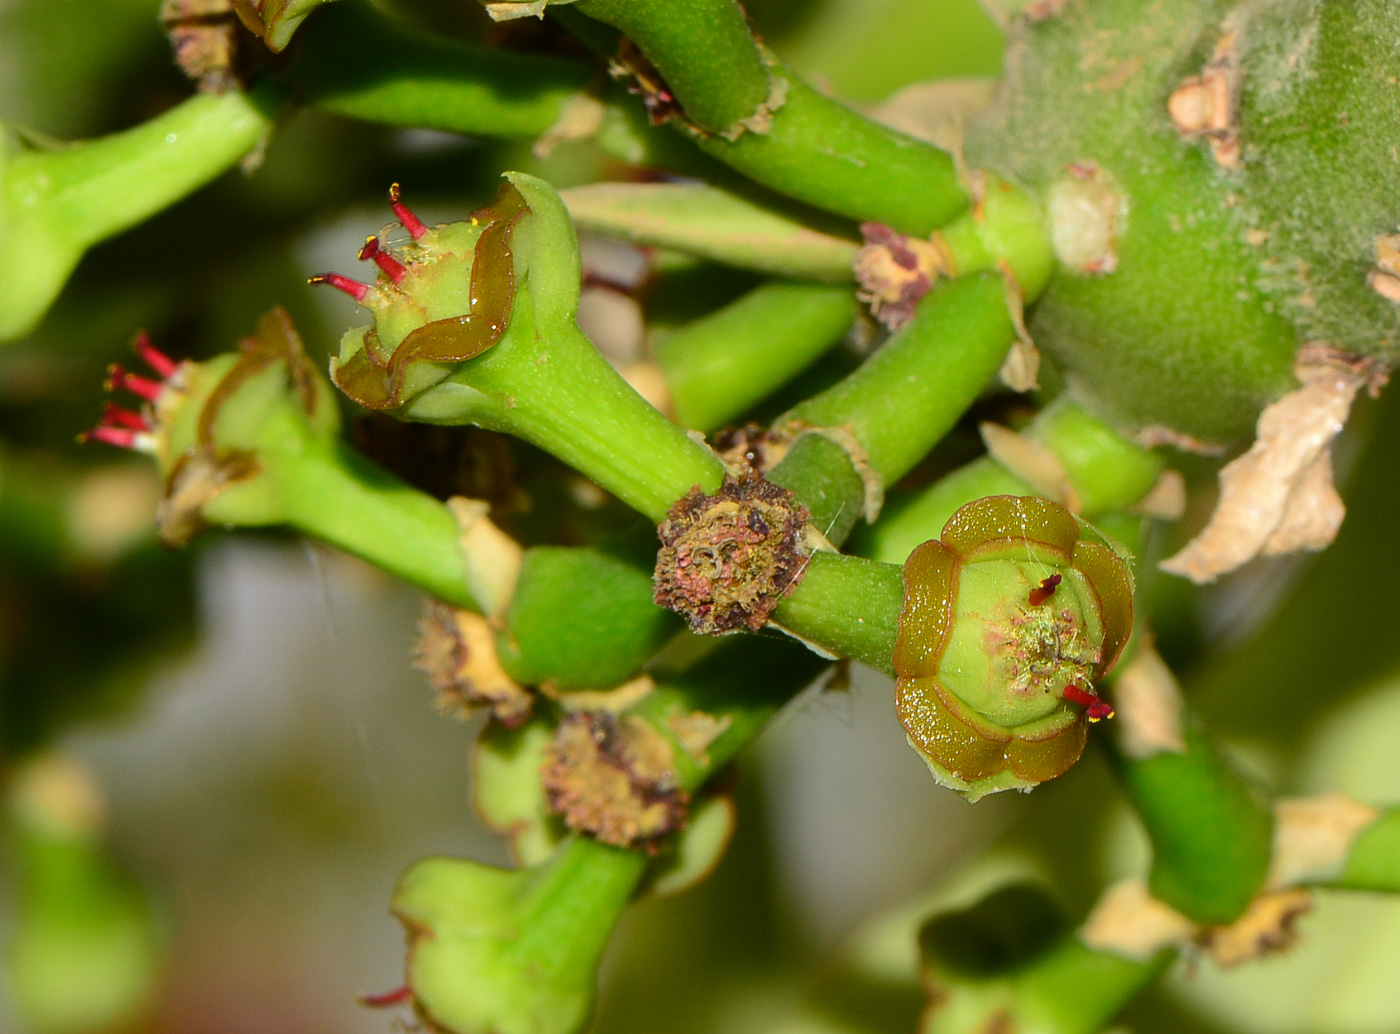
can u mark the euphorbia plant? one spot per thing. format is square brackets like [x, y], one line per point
[1131, 250]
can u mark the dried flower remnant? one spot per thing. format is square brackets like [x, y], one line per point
[1009, 620]
[895, 270]
[1266, 928]
[1278, 497]
[727, 559]
[614, 778]
[457, 650]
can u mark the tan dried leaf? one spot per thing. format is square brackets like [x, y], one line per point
[1266, 927]
[1278, 497]
[491, 558]
[1148, 701]
[1130, 922]
[1313, 836]
[696, 731]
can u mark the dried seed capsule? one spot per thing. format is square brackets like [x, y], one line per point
[1008, 621]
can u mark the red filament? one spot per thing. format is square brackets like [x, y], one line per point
[411, 222]
[353, 288]
[390, 266]
[114, 416]
[121, 437]
[398, 996]
[1095, 706]
[153, 357]
[119, 379]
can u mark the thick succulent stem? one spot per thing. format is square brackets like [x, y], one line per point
[719, 366]
[408, 78]
[906, 396]
[1211, 830]
[335, 495]
[704, 52]
[56, 204]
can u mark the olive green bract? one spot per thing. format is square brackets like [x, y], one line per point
[1009, 619]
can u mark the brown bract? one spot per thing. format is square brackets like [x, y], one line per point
[615, 779]
[727, 559]
[457, 649]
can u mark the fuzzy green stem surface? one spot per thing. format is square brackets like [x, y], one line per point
[704, 51]
[56, 204]
[721, 365]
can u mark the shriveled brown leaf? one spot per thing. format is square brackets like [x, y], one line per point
[1278, 497]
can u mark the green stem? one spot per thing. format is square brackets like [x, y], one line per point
[582, 617]
[720, 366]
[1211, 830]
[1070, 989]
[554, 390]
[848, 606]
[59, 203]
[1106, 471]
[335, 495]
[741, 683]
[570, 907]
[714, 224]
[1007, 226]
[906, 396]
[1374, 861]
[402, 77]
[703, 50]
[823, 153]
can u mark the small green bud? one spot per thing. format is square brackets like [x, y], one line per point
[1008, 621]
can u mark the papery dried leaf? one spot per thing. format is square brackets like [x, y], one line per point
[1278, 497]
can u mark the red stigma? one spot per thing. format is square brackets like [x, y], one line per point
[353, 288]
[153, 357]
[1095, 706]
[119, 379]
[398, 996]
[114, 416]
[411, 222]
[121, 437]
[388, 265]
[1044, 590]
